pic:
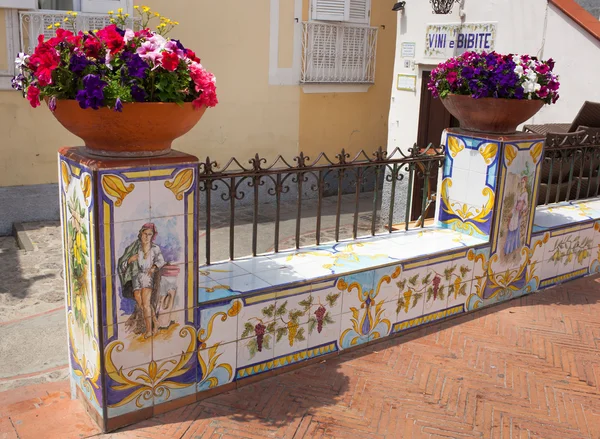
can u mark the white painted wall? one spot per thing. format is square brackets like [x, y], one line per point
[521, 28]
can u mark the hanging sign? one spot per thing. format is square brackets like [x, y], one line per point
[406, 82]
[408, 50]
[452, 39]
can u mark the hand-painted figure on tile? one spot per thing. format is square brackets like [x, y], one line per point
[139, 272]
[519, 211]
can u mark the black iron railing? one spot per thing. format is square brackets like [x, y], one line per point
[376, 194]
[571, 167]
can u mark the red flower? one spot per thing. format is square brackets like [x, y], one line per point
[112, 38]
[191, 55]
[33, 96]
[451, 77]
[205, 83]
[92, 47]
[44, 60]
[169, 61]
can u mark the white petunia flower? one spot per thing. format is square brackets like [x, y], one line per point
[21, 59]
[519, 70]
[516, 59]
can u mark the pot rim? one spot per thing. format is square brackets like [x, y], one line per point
[488, 98]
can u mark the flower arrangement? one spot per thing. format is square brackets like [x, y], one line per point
[114, 65]
[492, 75]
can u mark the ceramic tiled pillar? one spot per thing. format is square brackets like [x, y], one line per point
[489, 189]
[130, 249]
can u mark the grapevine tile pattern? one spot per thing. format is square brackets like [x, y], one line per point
[523, 369]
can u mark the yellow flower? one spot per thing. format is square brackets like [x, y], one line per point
[145, 9]
[176, 23]
[136, 7]
[69, 12]
[74, 14]
[111, 12]
[50, 26]
[66, 19]
[120, 10]
[57, 24]
[156, 14]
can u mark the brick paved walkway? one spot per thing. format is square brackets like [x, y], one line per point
[529, 368]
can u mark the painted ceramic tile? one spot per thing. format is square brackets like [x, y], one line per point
[557, 215]
[218, 323]
[280, 276]
[458, 294]
[127, 349]
[325, 328]
[222, 270]
[367, 318]
[327, 295]
[170, 190]
[77, 219]
[520, 169]
[295, 304]
[589, 208]
[217, 365]
[178, 386]
[175, 334]
[292, 337]
[135, 388]
[595, 258]
[257, 264]
[538, 246]
[124, 195]
[386, 282]
[357, 290]
[258, 341]
[229, 287]
[154, 278]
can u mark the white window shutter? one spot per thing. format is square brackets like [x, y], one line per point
[359, 11]
[103, 6]
[332, 10]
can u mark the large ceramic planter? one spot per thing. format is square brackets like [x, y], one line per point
[140, 130]
[491, 115]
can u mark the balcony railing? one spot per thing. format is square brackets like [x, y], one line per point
[338, 53]
[571, 167]
[35, 23]
[311, 202]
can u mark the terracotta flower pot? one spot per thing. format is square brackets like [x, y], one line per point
[491, 115]
[141, 129]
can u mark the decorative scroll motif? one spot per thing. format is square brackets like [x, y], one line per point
[86, 187]
[455, 146]
[65, 174]
[154, 380]
[181, 183]
[204, 335]
[536, 151]
[213, 374]
[88, 370]
[115, 187]
[464, 213]
[489, 152]
[510, 154]
[368, 322]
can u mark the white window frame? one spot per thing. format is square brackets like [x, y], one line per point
[14, 28]
[317, 77]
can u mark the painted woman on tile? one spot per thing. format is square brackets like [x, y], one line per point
[139, 272]
[515, 219]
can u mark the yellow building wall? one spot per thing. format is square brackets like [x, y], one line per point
[354, 121]
[251, 117]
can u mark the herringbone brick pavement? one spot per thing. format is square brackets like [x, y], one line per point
[525, 369]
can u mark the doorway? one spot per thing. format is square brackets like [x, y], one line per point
[433, 120]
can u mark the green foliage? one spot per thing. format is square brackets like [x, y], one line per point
[332, 299]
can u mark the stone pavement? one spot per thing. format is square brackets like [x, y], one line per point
[528, 368]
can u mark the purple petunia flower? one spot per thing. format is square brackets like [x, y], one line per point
[179, 45]
[118, 105]
[17, 82]
[136, 66]
[52, 104]
[79, 63]
[138, 93]
[92, 95]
